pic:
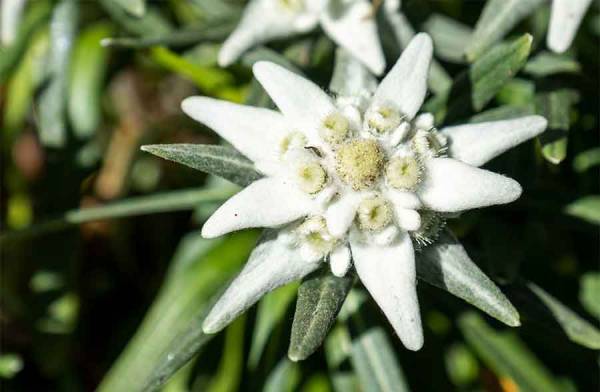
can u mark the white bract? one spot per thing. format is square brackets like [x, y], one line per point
[360, 181]
[350, 23]
[565, 18]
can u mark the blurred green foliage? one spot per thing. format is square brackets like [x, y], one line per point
[105, 279]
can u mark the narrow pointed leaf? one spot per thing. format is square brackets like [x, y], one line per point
[218, 160]
[473, 89]
[589, 293]
[320, 298]
[547, 63]
[449, 37]
[540, 308]
[586, 208]
[446, 264]
[284, 378]
[586, 160]
[376, 364]
[136, 8]
[53, 100]
[496, 20]
[88, 67]
[170, 334]
[507, 355]
[556, 106]
[184, 199]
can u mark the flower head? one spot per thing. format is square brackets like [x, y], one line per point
[350, 184]
[350, 23]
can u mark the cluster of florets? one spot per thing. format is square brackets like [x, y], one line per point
[374, 157]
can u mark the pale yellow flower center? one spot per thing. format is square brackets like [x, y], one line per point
[359, 163]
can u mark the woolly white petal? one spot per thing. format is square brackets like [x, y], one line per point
[476, 144]
[262, 21]
[340, 214]
[406, 84]
[408, 219]
[388, 273]
[299, 99]
[268, 202]
[565, 19]
[255, 132]
[402, 199]
[452, 186]
[353, 27]
[340, 260]
[272, 263]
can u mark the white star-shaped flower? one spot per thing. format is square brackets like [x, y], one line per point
[350, 23]
[565, 18]
[360, 180]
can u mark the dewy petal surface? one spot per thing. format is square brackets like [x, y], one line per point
[476, 144]
[255, 132]
[299, 99]
[388, 273]
[352, 25]
[272, 263]
[565, 18]
[262, 21]
[406, 84]
[268, 202]
[453, 186]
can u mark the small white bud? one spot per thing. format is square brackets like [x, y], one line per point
[311, 177]
[314, 239]
[335, 128]
[424, 121]
[374, 213]
[382, 119]
[340, 260]
[400, 133]
[403, 173]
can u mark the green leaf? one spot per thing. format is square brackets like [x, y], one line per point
[446, 264]
[218, 160]
[170, 334]
[556, 106]
[151, 24]
[320, 298]
[88, 67]
[507, 355]
[475, 87]
[210, 79]
[586, 159]
[500, 64]
[504, 112]
[586, 208]
[23, 83]
[449, 37]
[230, 369]
[375, 363]
[271, 310]
[284, 378]
[576, 328]
[53, 100]
[37, 14]
[185, 199]
[589, 293]
[10, 365]
[547, 63]
[461, 365]
[136, 8]
[496, 20]
[338, 349]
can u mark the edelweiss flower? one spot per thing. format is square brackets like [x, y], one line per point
[350, 23]
[357, 180]
[565, 18]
